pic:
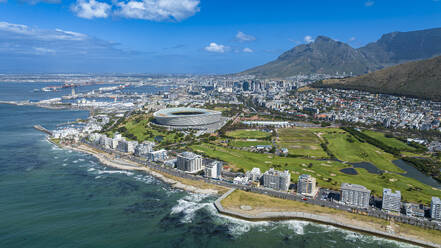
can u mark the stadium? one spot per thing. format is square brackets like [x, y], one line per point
[194, 118]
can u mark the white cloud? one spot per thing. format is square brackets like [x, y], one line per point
[91, 9]
[247, 50]
[241, 36]
[369, 3]
[308, 39]
[42, 50]
[215, 48]
[18, 39]
[158, 10]
[352, 39]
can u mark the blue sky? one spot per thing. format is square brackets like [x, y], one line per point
[187, 36]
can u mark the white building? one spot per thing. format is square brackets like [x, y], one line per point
[144, 148]
[435, 208]
[254, 174]
[240, 180]
[277, 180]
[190, 162]
[155, 156]
[355, 195]
[307, 185]
[413, 210]
[391, 200]
[213, 170]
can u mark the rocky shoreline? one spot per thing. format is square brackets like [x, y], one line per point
[122, 164]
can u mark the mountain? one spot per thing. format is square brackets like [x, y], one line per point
[399, 47]
[421, 79]
[325, 55]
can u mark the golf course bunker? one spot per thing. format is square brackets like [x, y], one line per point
[349, 171]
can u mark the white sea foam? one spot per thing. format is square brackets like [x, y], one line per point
[97, 177]
[189, 205]
[296, 226]
[128, 173]
[64, 165]
[91, 169]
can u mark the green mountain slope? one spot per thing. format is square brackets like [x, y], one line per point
[420, 79]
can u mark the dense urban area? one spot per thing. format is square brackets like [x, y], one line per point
[342, 149]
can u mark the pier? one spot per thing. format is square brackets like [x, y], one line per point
[42, 129]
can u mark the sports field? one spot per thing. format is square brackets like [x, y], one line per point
[301, 141]
[248, 134]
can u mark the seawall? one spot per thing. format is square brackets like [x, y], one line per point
[278, 216]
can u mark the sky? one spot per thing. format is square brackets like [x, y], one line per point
[188, 36]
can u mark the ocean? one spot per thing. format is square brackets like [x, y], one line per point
[50, 197]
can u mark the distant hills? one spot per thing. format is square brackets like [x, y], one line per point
[420, 79]
[326, 55]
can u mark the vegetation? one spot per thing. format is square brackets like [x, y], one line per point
[248, 134]
[301, 141]
[346, 147]
[417, 79]
[139, 128]
[390, 140]
[245, 143]
[328, 173]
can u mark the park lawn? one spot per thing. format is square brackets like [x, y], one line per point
[355, 151]
[301, 141]
[248, 134]
[327, 173]
[140, 127]
[245, 143]
[392, 142]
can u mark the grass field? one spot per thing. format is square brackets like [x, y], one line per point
[245, 143]
[347, 148]
[140, 128]
[392, 142]
[301, 141]
[263, 203]
[248, 134]
[327, 172]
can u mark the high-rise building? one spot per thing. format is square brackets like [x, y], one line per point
[391, 200]
[190, 162]
[277, 180]
[155, 156]
[307, 185]
[254, 174]
[435, 208]
[355, 195]
[213, 170]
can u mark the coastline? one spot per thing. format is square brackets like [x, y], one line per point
[363, 227]
[247, 213]
[123, 164]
